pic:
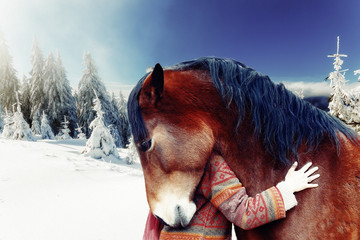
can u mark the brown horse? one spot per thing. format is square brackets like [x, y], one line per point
[182, 114]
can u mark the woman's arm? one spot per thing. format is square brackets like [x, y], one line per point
[224, 190]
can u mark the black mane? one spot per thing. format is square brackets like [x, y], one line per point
[282, 120]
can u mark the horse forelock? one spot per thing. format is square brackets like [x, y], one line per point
[137, 124]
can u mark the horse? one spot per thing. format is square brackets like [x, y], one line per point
[181, 114]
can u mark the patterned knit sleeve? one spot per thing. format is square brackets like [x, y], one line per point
[226, 193]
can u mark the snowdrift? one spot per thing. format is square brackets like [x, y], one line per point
[48, 190]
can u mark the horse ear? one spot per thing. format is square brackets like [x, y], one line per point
[158, 79]
[154, 85]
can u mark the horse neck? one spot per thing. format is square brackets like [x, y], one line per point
[246, 156]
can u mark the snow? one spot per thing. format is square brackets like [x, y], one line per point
[49, 190]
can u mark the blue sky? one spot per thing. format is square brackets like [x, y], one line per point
[288, 40]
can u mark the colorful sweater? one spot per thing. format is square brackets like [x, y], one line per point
[221, 200]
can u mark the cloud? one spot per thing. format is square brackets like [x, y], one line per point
[312, 89]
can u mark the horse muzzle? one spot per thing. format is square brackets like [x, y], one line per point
[175, 215]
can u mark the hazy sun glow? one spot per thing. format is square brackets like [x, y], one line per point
[9, 14]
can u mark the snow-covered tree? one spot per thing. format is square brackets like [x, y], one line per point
[116, 127]
[115, 135]
[35, 125]
[100, 144]
[299, 93]
[59, 100]
[65, 131]
[1, 121]
[132, 153]
[80, 134]
[50, 78]
[8, 129]
[46, 131]
[9, 125]
[68, 105]
[337, 104]
[343, 104]
[37, 97]
[89, 85]
[124, 122]
[25, 99]
[9, 83]
[22, 129]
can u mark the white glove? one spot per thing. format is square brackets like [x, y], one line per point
[296, 181]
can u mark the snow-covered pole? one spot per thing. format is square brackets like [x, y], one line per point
[337, 61]
[337, 81]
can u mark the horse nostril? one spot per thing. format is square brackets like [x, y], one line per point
[161, 220]
[181, 217]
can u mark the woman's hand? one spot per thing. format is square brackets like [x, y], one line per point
[296, 181]
[301, 179]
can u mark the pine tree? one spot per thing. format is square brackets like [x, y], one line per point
[89, 85]
[100, 144]
[115, 135]
[35, 125]
[37, 97]
[85, 93]
[115, 127]
[124, 122]
[1, 121]
[337, 104]
[9, 82]
[65, 131]
[9, 126]
[25, 99]
[68, 105]
[59, 99]
[22, 129]
[50, 78]
[132, 154]
[46, 131]
[80, 134]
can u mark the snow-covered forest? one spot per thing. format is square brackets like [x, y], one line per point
[43, 103]
[76, 174]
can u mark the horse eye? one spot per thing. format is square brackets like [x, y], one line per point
[145, 145]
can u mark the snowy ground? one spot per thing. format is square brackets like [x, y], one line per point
[49, 191]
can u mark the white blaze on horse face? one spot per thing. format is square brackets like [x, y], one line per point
[174, 206]
[175, 163]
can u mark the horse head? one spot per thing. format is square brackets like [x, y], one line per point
[174, 145]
